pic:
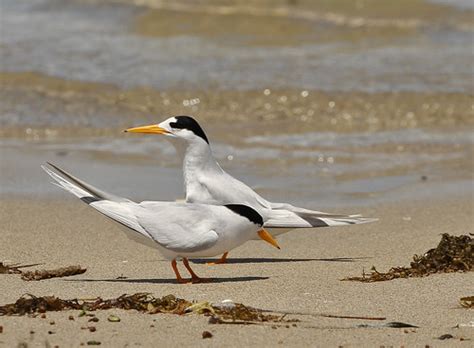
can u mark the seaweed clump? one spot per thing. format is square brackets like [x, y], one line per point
[453, 254]
[238, 313]
[142, 302]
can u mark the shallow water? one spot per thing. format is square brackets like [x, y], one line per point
[312, 168]
[321, 104]
[94, 41]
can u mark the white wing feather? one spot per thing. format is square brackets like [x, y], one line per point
[177, 236]
[148, 219]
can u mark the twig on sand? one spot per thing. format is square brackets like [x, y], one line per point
[350, 317]
[53, 273]
[15, 268]
[326, 315]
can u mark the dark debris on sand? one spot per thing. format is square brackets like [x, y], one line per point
[467, 302]
[239, 313]
[142, 302]
[453, 254]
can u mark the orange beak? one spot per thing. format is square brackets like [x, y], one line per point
[267, 237]
[151, 129]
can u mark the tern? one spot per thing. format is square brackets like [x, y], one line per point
[207, 183]
[177, 230]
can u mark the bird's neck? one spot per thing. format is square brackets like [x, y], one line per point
[197, 160]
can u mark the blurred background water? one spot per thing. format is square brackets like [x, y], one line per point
[322, 103]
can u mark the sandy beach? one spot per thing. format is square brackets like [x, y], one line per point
[303, 277]
[340, 106]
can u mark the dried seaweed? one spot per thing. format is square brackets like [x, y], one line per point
[445, 337]
[453, 254]
[467, 302]
[93, 343]
[239, 313]
[52, 273]
[142, 302]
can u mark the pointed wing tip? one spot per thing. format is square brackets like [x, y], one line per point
[48, 166]
[368, 220]
[46, 169]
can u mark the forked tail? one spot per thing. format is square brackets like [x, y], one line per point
[84, 191]
[288, 216]
[119, 209]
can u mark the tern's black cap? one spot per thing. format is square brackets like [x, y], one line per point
[189, 123]
[247, 212]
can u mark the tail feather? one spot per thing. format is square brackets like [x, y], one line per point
[347, 221]
[119, 209]
[78, 187]
[61, 182]
[304, 218]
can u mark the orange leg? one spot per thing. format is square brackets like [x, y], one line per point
[176, 271]
[194, 276]
[222, 260]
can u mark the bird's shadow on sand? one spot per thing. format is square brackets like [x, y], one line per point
[168, 280]
[280, 260]
[226, 279]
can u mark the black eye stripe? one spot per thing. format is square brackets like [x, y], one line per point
[189, 123]
[247, 212]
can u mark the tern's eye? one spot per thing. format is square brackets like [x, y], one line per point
[175, 125]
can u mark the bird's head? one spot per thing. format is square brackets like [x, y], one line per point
[181, 127]
[254, 217]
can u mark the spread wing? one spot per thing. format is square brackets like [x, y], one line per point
[223, 188]
[190, 230]
[187, 232]
[288, 216]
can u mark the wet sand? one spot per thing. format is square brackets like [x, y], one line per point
[303, 277]
[52, 107]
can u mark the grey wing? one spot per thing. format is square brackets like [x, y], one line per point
[287, 216]
[225, 189]
[178, 235]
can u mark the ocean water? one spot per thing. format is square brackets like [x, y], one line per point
[310, 169]
[95, 41]
[401, 126]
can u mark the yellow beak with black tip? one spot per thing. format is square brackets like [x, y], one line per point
[267, 237]
[151, 129]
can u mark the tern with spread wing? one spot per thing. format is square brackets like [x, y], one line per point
[177, 230]
[206, 182]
